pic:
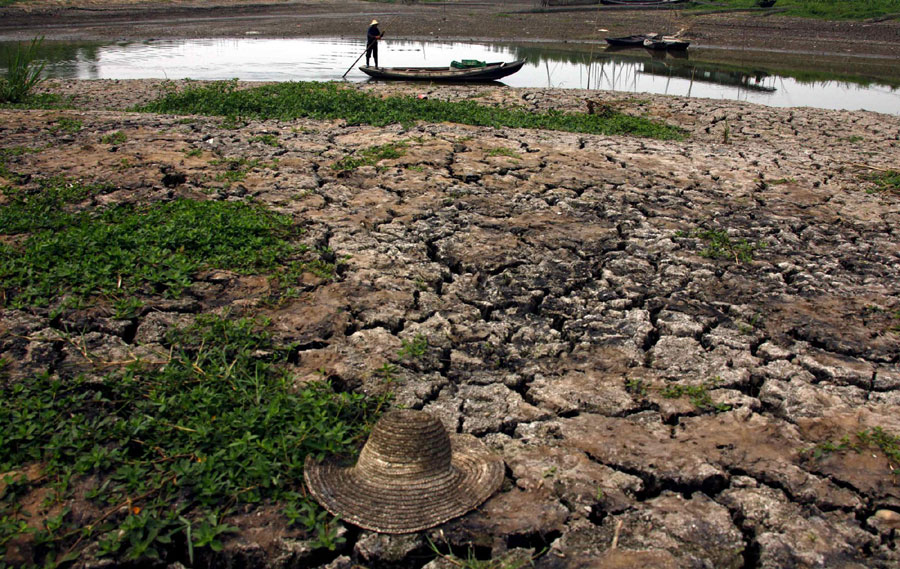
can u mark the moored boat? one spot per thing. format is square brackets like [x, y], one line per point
[629, 41]
[487, 72]
[668, 43]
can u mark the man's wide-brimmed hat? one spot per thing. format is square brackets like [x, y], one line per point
[374, 22]
[411, 475]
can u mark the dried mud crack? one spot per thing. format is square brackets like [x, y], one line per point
[666, 341]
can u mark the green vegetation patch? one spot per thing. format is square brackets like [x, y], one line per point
[128, 249]
[720, 246]
[287, 101]
[43, 208]
[370, 156]
[888, 180]
[156, 458]
[23, 73]
[698, 394]
[874, 438]
[821, 9]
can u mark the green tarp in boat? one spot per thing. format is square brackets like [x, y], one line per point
[467, 64]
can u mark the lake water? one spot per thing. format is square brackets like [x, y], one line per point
[592, 67]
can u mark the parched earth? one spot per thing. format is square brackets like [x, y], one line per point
[656, 404]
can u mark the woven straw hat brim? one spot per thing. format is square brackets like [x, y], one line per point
[407, 506]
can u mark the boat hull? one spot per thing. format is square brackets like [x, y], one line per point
[628, 41]
[663, 44]
[490, 72]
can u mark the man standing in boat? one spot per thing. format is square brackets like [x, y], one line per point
[372, 37]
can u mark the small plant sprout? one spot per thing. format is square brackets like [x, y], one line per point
[413, 349]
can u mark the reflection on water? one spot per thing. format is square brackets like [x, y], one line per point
[632, 71]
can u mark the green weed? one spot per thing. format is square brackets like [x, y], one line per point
[23, 74]
[470, 561]
[370, 156]
[888, 180]
[130, 249]
[267, 139]
[287, 101]
[720, 245]
[636, 387]
[66, 125]
[192, 152]
[117, 137]
[387, 372]
[43, 208]
[509, 152]
[413, 349]
[876, 437]
[166, 453]
[698, 394]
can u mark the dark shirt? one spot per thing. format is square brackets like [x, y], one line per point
[373, 34]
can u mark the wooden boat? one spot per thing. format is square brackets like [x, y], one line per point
[489, 72]
[667, 43]
[629, 41]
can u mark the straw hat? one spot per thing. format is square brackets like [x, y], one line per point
[374, 22]
[411, 475]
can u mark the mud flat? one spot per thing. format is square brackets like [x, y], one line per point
[657, 336]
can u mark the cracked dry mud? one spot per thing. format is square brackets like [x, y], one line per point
[559, 281]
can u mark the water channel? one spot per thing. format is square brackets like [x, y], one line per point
[691, 74]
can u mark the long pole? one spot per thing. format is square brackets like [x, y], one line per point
[358, 58]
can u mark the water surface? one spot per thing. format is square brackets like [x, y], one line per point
[594, 67]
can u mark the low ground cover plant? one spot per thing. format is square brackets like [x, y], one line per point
[887, 180]
[129, 250]
[153, 459]
[286, 101]
[719, 245]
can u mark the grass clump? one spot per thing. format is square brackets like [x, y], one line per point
[370, 156]
[129, 249]
[117, 137]
[720, 246]
[508, 152]
[23, 73]
[287, 101]
[887, 181]
[155, 459]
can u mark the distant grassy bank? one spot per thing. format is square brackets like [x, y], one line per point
[286, 101]
[821, 9]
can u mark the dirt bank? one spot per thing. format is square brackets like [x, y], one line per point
[656, 336]
[513, 20]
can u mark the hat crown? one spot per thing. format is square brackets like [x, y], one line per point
[406, 445]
